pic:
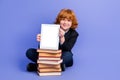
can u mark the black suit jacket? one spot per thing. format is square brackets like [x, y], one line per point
[70, 39]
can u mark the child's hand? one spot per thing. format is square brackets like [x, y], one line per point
[61, 33]
[38, 37]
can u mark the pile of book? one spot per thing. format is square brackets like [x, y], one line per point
[49, 62]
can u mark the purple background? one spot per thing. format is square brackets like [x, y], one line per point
[96, 53]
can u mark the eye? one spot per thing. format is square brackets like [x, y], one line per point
[69, 20]
[63, 18]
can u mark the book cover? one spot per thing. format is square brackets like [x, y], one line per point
[42, 54]
[49, 58]
[49, 70]
[40, 66]
[48, 51]
[49, 36]
[50, 61]
[49, 73]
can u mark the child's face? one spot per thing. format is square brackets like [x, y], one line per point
[65, 24]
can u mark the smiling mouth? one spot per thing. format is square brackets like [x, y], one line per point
[62, 28]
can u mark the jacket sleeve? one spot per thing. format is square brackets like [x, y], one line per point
[69, 42]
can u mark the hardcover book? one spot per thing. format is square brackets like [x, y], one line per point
[49, 70]
[57, 55]
[49, 73]
[43, 66]
[49, 36]
[48, 51]
[54, 62]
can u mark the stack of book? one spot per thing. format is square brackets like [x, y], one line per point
[49, 62]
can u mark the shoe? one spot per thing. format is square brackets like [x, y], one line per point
[31, 67]
[63, 66]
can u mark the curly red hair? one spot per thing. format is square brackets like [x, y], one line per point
[67, 14]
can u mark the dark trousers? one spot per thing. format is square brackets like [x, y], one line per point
[66, 56]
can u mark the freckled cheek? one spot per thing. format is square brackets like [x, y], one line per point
[61, 23]
[70, 24]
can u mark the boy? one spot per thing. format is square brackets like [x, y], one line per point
[67, 36]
